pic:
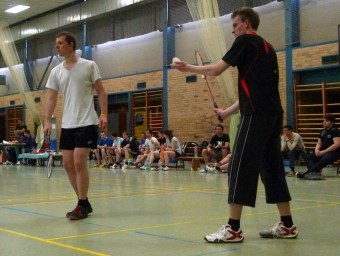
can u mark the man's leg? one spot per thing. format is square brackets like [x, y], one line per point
[205, 155]
[80, 164]
[97, 154]
[325, 160]
[68, 163]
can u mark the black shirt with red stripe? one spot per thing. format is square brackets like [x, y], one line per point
[258, 79]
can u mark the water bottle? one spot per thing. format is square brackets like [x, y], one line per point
[196, 151]
[147, 166]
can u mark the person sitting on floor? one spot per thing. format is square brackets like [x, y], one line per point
[217, 148]
[327, 150]
[171, 149]
[292, 147]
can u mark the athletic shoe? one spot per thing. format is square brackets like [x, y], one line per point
[300, 175]
[96, 165]
[280, 231]
[291, 174]
[313, 176]
[166, 168]
[203, 170]
[79, 213]
[18, 163]
[102, 166]
[153, 169]
[210, 169]
[115, 166]
[89, 210]
[142, 167]
[225, 235]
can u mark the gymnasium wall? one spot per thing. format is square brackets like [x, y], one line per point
[124, 63]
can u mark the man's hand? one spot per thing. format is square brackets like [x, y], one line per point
[103, 122]
[180, 65]
[47, 128]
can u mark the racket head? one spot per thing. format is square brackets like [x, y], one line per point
[199, 60]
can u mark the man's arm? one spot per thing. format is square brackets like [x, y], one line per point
[51, 102]
[333, 147]
[102, 97]
[292, 145]
[317, 148]
[209, 70]
[228, 111]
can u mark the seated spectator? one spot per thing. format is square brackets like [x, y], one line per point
[100, 152]
[291, 147]
[161, 137]
[112, 151]
[128, 149]
[142, 144]
[28, 142]
[10, 152]
[151, 152]
[20, 126]
[171, 149]
[218, 147]
[327, 150]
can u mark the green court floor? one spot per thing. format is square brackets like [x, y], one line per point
[156, 213]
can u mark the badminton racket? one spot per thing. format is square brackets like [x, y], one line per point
[200, 62]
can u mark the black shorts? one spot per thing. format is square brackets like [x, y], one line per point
[81, 137]
[257, 151]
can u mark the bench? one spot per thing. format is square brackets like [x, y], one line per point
[188, 158]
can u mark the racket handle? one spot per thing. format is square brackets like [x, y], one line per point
[219, 117]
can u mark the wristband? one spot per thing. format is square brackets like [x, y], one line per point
[104, 115]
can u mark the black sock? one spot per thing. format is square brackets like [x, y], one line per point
[234, 224]
[287, 221]
[82, 202]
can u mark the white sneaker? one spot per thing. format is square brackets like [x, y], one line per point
[210, 169]
[18, 163]
[153, 169]
[142, 167]
[280, 231]
[225, 235]
[166, 168]
[115, 166]
[203, 170]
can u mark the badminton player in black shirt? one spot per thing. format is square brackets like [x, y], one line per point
[261, 113]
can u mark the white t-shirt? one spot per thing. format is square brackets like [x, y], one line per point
[177, 144]
[77, 87]
[150, 145]
[117, 141]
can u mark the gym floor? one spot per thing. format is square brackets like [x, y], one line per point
[156, 213]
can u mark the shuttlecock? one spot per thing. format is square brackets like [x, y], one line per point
[175, 59]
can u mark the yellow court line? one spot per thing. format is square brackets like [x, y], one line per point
[122, 230]
[52, 242]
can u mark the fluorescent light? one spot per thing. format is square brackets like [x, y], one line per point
[17, 8]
